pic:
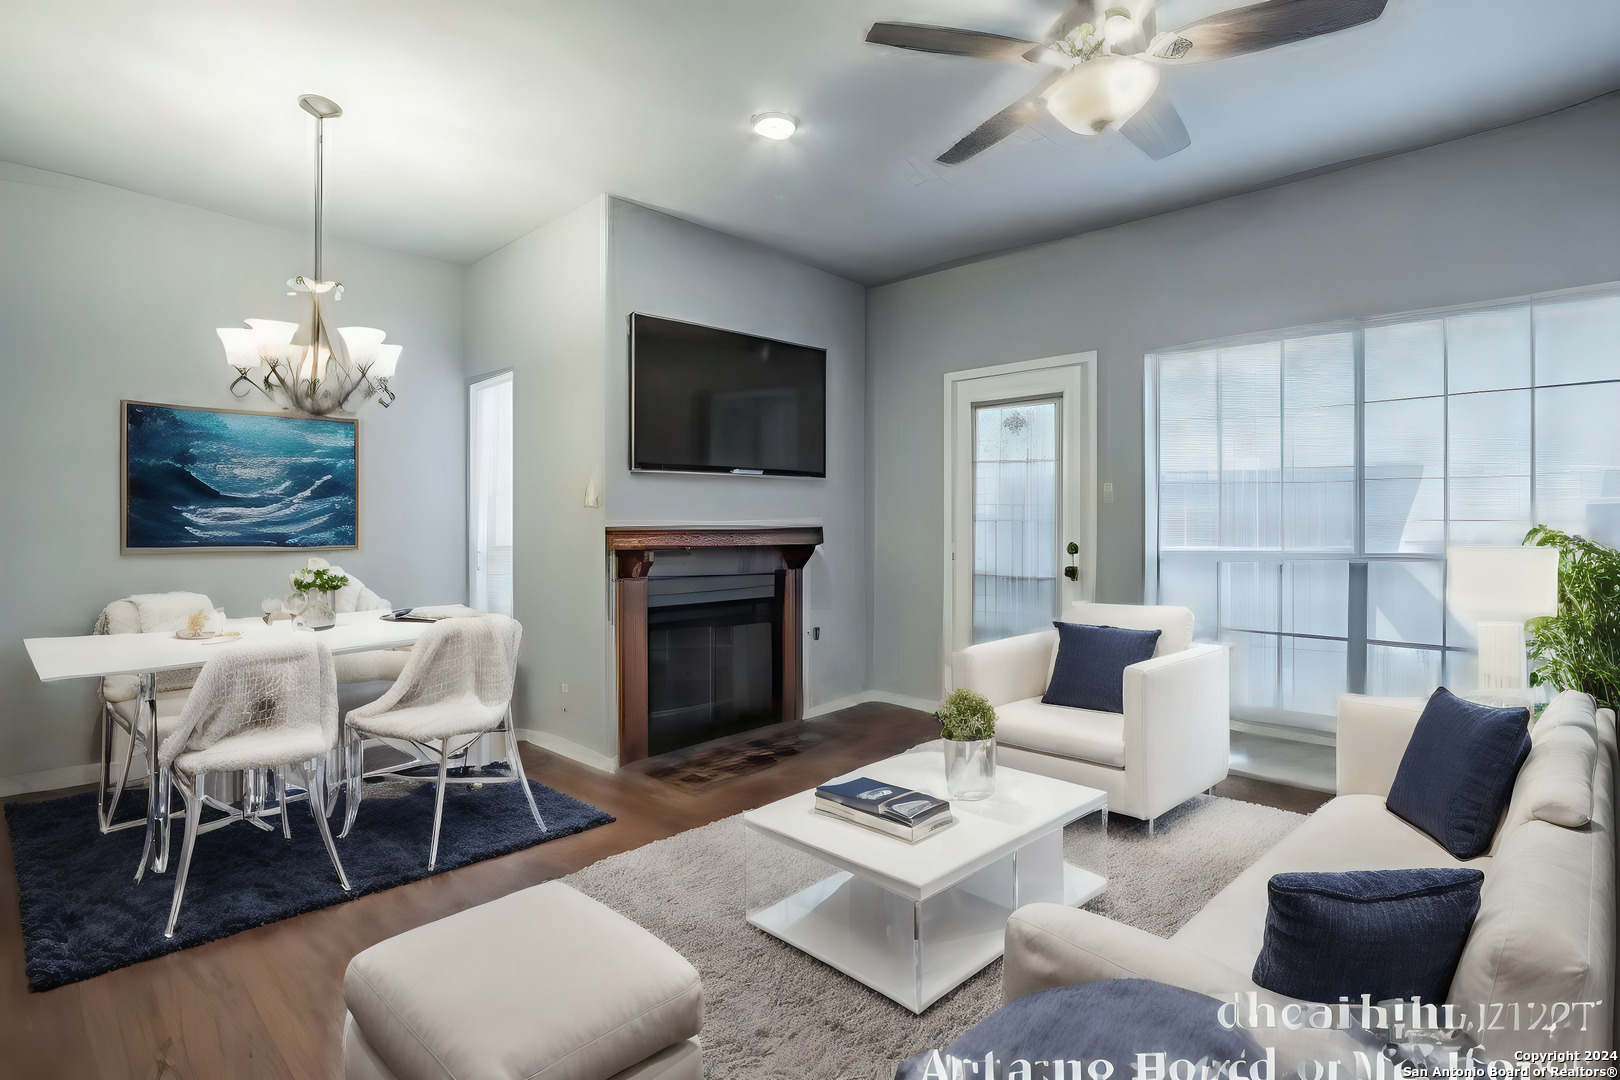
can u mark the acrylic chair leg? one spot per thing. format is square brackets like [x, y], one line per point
[317, 783]
[123, 777]
[1150, 825]
[280, 776]
[438, 802]
[514, 761]
[155, 851]
[354, 780]
[193, 818]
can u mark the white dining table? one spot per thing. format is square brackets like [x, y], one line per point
[93, 656]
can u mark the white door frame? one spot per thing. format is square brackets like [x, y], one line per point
[1078, 497]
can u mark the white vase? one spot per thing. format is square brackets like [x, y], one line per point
[970, 769]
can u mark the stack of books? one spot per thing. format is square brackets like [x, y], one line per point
[896, 811]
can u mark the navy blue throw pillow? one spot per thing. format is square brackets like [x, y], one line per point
[1091, 663]
[1457, 773]
[1383, 933]
[1113, 1020]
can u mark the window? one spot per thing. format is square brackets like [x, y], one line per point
[1309, 483]
[489, 487]
[1015, 501]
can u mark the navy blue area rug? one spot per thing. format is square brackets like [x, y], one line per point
[83, 914]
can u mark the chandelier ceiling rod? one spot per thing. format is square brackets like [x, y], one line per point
[321, 109]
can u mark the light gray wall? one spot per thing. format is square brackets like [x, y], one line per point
[1519, 210]
[107, 295]
[537, 306]
[660, 265]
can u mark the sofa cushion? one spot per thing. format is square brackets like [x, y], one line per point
[545, 982]
[1089, 672]
[1380, 933]
[1056, 729]
[1555, 784]
[1458, 771]
[1176, 623]
[1352, 832]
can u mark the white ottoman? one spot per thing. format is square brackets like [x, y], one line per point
[544, 983]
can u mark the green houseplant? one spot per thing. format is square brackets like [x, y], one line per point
[1579, 648]
[968, 726]
[315, 588]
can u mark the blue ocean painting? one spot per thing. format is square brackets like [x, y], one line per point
[195, 478]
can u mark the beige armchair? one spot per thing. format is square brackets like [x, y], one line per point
[1171, 742]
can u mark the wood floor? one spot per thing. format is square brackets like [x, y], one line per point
[267, 1003]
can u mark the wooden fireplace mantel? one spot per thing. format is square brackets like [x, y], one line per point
[635, 548]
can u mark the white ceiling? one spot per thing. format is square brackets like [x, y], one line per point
[470, 123]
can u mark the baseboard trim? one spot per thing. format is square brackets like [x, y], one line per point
[1285, 734]
[883, 696]
[48, 780]
[569, 749]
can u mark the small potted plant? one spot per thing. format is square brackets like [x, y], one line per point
[968, 725]
[315, 588]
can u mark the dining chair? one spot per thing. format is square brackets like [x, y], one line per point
[456, 688]
[259, 707]
[121, 702]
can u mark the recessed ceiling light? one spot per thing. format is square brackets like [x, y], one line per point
[775, 125]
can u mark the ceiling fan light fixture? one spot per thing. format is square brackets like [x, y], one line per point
[1102, 93]
[775, 125]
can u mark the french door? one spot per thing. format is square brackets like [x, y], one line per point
[1019, 491]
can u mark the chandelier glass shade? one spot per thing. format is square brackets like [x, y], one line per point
[1102, 92]
[327, 374]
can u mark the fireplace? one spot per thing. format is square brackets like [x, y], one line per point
[709, 633]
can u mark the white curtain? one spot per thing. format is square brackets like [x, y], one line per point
[490, 484]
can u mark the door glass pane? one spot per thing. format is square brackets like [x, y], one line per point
[1189, 454]
[490, 481]
[1577, 340]
[1578, 459]
[1404, 601]
[1488, 350]
[1319, 443]
[1405, 360]
[1490, 467]
[1405, 484]
[1397, 672]
[1250, 379]
[1015, 501]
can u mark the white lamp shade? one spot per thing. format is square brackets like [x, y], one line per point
[246, 348]
[356, 345]
[385, 360]
[1502, 584]
[241, 347]
[1101, 92]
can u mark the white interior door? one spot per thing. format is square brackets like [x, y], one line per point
[1020, 488]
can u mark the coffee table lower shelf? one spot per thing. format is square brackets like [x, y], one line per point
[911, 952]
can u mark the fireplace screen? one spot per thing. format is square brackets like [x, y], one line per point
[714, 666]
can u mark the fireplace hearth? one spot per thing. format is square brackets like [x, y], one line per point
[709, 632]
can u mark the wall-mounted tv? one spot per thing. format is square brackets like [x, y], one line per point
[708, 400]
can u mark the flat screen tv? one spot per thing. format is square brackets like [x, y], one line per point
[708, 400]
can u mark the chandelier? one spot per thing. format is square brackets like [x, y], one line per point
[322, 376]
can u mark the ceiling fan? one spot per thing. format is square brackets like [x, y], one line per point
[1104, 63]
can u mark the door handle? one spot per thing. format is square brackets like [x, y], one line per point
[1072, 572]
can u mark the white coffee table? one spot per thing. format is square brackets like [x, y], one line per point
[913, 921]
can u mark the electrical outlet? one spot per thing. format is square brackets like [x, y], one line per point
[1108, 493]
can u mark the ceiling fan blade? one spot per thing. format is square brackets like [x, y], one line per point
[1267, 25]
[1157, 128]
[1026, 110]
[948, 40]
[1085, 11]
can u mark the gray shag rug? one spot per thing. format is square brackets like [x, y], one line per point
[773, 1013]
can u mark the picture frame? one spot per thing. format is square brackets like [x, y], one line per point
[193, 478]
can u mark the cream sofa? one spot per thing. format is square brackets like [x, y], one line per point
[1169, 744]
[1545, 932]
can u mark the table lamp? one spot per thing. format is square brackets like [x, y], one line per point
[1498, 588]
